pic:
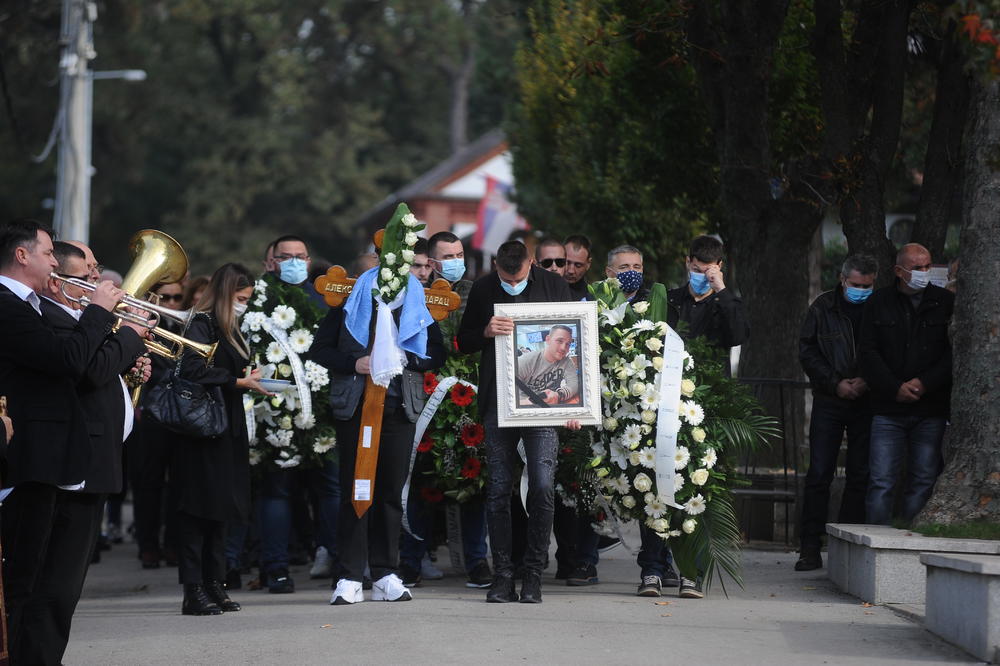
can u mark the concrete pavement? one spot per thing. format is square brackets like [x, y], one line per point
[132, 616]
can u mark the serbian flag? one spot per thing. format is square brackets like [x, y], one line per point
[497, 217]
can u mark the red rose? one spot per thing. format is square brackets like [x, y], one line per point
[567, 450]
[426, 444]
[473, 434]
[454, 343]
[462, 395]
[430, 382]
[431, 495]
[470, 469]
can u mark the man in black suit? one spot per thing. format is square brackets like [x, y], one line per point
[50, 450]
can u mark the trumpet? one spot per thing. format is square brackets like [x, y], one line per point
[151, 320]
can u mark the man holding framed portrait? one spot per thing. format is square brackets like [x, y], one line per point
[488, 326]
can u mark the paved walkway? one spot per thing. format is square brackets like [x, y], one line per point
[131, 616]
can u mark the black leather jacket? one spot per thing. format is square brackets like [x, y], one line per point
[828, 349]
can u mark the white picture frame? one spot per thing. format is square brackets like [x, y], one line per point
[535, 381]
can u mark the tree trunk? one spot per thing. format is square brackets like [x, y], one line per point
[941, 189]
[969, 487]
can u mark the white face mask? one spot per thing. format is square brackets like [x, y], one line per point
[919, 280]
[239, 308]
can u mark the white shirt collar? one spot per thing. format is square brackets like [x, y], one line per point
[22, 291]
[75, 314]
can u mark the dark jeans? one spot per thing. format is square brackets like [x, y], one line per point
[420, 516]
[564, 529]
[275, 508]
[48, 537]
[586, 541]
[201, 557]
[154, 501]
[541, 446]
[654, 558]
[826, 430]
[373, 538]
[918, 439]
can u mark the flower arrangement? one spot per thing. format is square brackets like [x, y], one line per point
[718, 419]
[396, 254]
[451, 452]
[293, 427]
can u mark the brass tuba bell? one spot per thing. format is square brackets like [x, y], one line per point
[157, 258]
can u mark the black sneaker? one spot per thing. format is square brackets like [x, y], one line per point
[480, 576]
[809, 560]
[604, 544]
[670, 578]
[649, 587]
[502, 590]
[279, 582]
[411, 577]
[531, 587]
[585, 574]
[690, 589]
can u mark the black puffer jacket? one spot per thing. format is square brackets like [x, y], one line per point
[898, 344]
[828, 349]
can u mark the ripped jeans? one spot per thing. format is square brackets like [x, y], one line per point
[541, 446]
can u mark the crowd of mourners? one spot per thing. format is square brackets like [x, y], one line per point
[879, 362]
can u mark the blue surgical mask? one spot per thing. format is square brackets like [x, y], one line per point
[699, 282]
[452, 270]
[514, 289]
[857, 294]
[293, 271]
[630, 281]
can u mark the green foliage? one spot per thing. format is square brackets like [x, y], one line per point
[973, 530]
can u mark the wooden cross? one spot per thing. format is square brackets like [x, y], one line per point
[335, 287]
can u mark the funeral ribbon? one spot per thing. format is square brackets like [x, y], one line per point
[298, 370]
[428, 412]
[667, 420]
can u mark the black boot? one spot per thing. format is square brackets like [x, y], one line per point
[216, 593]
[502, 590]
[197, 602]
[809, 559]
[531, 587]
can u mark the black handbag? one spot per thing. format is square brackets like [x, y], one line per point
[186, 407]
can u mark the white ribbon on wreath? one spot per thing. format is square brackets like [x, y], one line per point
[298, 370]
[668, 422]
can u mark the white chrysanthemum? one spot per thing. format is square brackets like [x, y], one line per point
[710, 458]
[305, 423]
[628, 502]
[252, 321]
[610, 423]
[678, 482]
[654, 344]
[656, 508]
[389, 258]
[640, 307]
[287, 463]
[385, 274]
[409, 220]
[688, 360]
[323, 444]
[260, 286]
[687, 388]
[688, 525]
[692, 412]
[642, 482]
[650, 399]
[643, 325]
[410, 239]
[407, 256]
[631, 436]
[300, 340]
[698, 435]
[619, 484]
[695, 505]
[283, 317]
[274, 353]
[255, 338]
[284, 370]
[647, 457]
[279, 438]
[316, 376]
[699, 477]
[681, 457]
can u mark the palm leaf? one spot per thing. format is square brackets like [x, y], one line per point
[746, 434]
[713, 549]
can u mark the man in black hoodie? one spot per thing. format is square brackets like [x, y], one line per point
[906, 361]
[828, 351]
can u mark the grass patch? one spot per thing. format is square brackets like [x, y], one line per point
[974, 530]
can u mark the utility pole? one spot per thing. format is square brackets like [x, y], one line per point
[72, 210]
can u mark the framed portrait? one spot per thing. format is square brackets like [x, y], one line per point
[548, 369]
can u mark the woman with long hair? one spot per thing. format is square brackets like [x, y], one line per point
[213, 474]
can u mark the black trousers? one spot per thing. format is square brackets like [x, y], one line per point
[154, 502]
[826, 430]
[373, 538]
[202, 555]
[48, 538]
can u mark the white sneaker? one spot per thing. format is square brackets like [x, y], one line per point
[347, 592]
[323, 564]
[428, 571]
[390, 588]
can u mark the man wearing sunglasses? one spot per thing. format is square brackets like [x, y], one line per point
[551, 255]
